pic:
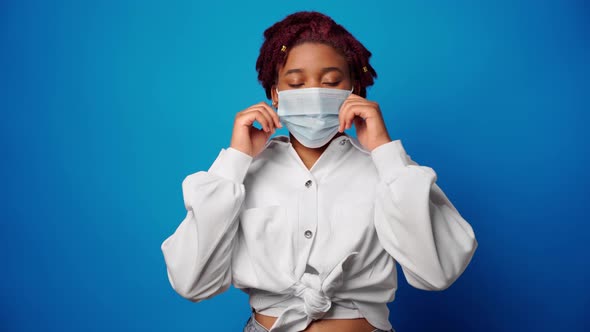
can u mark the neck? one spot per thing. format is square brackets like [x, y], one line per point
[310, 155]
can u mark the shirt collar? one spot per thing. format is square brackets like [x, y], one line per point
[284, 140]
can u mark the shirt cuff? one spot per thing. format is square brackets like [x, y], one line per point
[388, 158]
[231, 164]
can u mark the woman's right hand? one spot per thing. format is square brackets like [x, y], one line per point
[249, 139]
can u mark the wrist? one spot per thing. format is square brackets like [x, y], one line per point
[379, 142]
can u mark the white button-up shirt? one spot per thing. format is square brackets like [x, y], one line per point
[317, 243]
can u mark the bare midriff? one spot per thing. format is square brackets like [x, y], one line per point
[324, 325]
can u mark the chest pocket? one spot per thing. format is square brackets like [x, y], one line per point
[266, 234]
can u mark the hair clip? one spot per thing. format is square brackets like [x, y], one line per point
[284, 48]
[365, 69]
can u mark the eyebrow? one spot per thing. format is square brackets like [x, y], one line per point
[324, 70]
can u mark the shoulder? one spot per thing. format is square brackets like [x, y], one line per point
[279, 140]
[274, 150]
[273, 146]
[358, 146]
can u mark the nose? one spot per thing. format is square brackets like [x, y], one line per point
[314, 84]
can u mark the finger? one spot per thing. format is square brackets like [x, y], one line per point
[269, 125]
[261, 116]
[360, 103]
[354, 98]
[364, 109]
[351, 112]
[345, 116]
[273, 114]
[341, 119]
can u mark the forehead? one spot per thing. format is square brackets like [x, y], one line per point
[314, 57]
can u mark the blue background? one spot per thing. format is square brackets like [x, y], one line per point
[107, 106]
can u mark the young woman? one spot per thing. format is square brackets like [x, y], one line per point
[311, 225]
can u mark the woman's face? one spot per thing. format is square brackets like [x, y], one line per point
[313, 65]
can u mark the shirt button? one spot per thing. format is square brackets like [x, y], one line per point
[308, 234]
[308, 183]
[342, 142]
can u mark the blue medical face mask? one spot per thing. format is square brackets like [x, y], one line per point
[311, 114]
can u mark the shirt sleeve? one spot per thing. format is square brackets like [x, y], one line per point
[416, 223]
[198, 253]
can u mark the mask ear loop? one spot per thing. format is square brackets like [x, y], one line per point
[354, 83]
[275, 104]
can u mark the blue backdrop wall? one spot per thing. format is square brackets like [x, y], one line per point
[107, 106]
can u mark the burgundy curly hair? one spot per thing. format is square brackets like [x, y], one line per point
[306, 26]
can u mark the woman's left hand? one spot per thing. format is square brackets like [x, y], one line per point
[367, 118]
